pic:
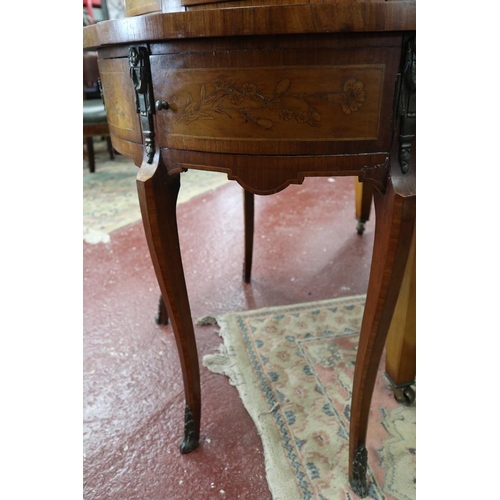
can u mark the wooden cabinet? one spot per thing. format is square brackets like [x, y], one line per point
[269, 94]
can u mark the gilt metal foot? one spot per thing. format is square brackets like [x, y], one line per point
[358, 479]
[191, 433]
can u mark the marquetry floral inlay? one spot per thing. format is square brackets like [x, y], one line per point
[251, 102]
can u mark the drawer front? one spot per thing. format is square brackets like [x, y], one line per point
[277, 95]
[320, 103]
[310, 100]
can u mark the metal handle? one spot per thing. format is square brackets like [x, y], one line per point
[159, 105]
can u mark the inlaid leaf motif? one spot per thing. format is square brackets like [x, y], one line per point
[219, 100]
[206, 115]
[191, 107]
[282, 87]
[222, 112]
[315, 115]
[190, 104]
[264, 123]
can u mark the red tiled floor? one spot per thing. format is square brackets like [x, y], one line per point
[306, 248]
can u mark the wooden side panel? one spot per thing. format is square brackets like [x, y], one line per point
[119, 99]
[401, 339]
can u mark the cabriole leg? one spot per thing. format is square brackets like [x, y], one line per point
[158, 197]
[394, 224]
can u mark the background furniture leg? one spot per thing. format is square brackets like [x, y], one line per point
[395, 220]
[400, 362]
[364, 194]
[110, 148]
[249, 210]
[90, 152]
[158, 197]
[161, 317]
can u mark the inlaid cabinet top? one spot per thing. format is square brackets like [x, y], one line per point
[330, 17]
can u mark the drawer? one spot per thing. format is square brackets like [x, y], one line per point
[268, 95]
[311, 96]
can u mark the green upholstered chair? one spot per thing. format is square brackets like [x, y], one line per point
[95, 122]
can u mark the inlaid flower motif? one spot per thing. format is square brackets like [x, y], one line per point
[353, 96]
[236, 97]
[220, 84]
[302, 117]
[250, 88]
[286, 115]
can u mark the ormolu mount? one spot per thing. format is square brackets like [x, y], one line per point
[140, 73]
[407, 105]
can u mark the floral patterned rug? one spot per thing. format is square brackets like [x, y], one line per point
[293, 367]
[110, 195]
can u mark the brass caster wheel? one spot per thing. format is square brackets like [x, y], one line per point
[405, 395]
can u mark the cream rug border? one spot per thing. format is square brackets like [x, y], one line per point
[232, 361]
